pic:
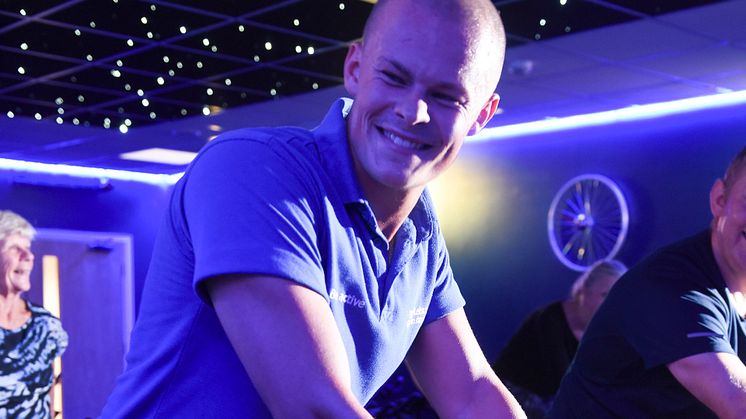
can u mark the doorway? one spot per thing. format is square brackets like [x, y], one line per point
[96, 307]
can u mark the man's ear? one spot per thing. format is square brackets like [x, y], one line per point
[352, 67]
[717, 198]
[487, 112]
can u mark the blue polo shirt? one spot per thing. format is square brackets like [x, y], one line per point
[281, 202]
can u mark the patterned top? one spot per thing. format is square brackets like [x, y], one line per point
[26, 356]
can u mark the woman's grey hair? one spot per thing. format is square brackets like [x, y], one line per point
[11, 223]
[600, 269]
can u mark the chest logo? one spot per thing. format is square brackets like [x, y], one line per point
[416, 316]
[346, 298]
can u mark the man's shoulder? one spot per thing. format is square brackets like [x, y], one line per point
[687, 258]
[263, 136]
[237, 148]
[683, 268]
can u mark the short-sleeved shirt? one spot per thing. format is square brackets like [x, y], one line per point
[673, 305]
[281, 202]
[538, 354]
[26, 357]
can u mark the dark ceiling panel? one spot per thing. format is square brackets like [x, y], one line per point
[63, 40]
[657, 7]
[218, 96]
[7, 19]
[30, 7]
[545, 19]
[31, 108]
[322, 18]
[176, 65]
[229, 7]
[33, 66]
[128, 83]
[125, 17]
[245, 42]
[328, 62]
[278, 82]
[66, 96]
[108, 64]
[7, 80]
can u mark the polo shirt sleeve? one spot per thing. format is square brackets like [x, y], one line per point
[447, 296]
[250, 208]
[668, 319]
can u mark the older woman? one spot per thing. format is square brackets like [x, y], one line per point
[30, 337]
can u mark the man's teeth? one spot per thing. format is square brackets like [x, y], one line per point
[402, 142]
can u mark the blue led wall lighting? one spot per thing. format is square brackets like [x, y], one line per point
[104, 175]
[627, 114]
[631, 113]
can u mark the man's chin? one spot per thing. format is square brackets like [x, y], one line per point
[402, 183]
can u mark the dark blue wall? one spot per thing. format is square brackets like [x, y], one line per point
[664, 166]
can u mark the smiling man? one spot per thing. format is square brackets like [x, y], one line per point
[670, 338]
[297, 269]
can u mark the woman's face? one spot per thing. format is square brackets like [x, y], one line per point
[16, 263]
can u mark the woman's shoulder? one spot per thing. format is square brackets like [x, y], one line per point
[41, 315]
[48, 324]
[37, 310]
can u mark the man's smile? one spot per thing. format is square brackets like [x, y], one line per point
[403, 141]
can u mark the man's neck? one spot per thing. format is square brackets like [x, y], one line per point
[734, 279]
[739, 301]
[391, 208]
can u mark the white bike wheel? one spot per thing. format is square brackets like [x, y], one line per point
[587, 221]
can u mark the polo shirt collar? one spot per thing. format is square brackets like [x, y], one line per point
[333, 145]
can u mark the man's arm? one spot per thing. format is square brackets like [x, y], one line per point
[288, 343]
[450, 368]
[716, 379]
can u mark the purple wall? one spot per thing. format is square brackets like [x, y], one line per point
[128, 207]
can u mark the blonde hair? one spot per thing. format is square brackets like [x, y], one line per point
[598, 270]
[11, 223]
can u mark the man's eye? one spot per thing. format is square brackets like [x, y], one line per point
[447, 99]
[392, 78]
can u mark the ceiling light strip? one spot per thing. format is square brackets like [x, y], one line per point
[89, 172]
[631, 113]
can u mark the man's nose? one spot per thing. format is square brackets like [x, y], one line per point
[413, 110]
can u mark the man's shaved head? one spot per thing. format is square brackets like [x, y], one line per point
[481, 23]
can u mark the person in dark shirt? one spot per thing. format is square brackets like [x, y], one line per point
[670, 339]
[538, 354]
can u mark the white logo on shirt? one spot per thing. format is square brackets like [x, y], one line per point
[346, 298]
[416, 316]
